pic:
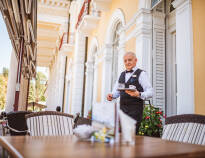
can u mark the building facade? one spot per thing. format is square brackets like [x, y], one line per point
[83, 43]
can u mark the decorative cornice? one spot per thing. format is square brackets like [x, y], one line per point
[145, 13]
[55, 3]
[178, 3]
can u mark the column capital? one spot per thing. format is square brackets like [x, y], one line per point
[178, 3]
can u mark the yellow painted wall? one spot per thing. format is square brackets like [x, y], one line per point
[198, 11]
[129, 9]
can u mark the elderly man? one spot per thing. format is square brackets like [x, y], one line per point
[131, 102]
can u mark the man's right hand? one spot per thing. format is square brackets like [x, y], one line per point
[109, 97]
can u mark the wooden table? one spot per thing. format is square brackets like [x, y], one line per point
[71, 147]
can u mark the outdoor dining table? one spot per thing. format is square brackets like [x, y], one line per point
[72, 147]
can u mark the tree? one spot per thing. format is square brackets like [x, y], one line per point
[5, 72]
[3, 87]
[37, 88]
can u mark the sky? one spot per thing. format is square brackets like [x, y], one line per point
[5, 45]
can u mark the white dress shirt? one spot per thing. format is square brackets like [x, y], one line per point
[143, 81]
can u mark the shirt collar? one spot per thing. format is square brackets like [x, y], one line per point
[134, 68]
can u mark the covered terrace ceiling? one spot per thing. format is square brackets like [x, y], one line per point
[51, 15]
[21, 22]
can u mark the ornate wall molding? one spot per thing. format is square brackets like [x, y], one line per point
[181, 5]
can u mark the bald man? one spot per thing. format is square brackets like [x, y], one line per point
[131, 102]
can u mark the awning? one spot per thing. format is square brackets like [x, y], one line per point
[20, 17]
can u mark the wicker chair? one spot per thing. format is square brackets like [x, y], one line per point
[81, 121]
[187, 128]
[49, 123]
[16, 123]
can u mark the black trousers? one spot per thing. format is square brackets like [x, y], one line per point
[134, 109]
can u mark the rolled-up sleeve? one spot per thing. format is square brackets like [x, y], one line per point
[146, 85]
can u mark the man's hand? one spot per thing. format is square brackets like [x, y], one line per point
[109, 97]
[133, 93]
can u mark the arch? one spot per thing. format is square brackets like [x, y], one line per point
[117, 17]
[114, 38]
[91, 73]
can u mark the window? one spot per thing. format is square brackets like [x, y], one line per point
[115, 56]
[154, 3]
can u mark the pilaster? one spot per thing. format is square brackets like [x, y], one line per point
[89, 87]
[144, 40]
[184, 56]
[78, 73]
[107, 71]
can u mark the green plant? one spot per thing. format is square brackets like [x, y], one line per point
[151, 124]
[89, 116]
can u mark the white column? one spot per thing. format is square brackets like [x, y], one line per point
[56, 83]
[144, 40]
[49, 88]
[10, 96]
[184, 56]
[52, 98]
[78, 73]
[107, 71]
[60, 80]
[88, 87]
[95, 81]
[121, 52]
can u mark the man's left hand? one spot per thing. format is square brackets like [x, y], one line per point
[133, 93]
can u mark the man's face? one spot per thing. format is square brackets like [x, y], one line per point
[129, 61]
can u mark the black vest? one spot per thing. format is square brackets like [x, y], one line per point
[133, 106]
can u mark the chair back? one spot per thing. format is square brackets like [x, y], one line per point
[17, 121]
[187, 128]
[49, 123]
[81, 121]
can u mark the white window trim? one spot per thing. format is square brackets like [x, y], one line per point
[184, 56]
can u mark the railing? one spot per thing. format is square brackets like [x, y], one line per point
[64, 39]
[84, 11]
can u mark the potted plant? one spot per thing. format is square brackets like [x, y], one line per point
[151, 124]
